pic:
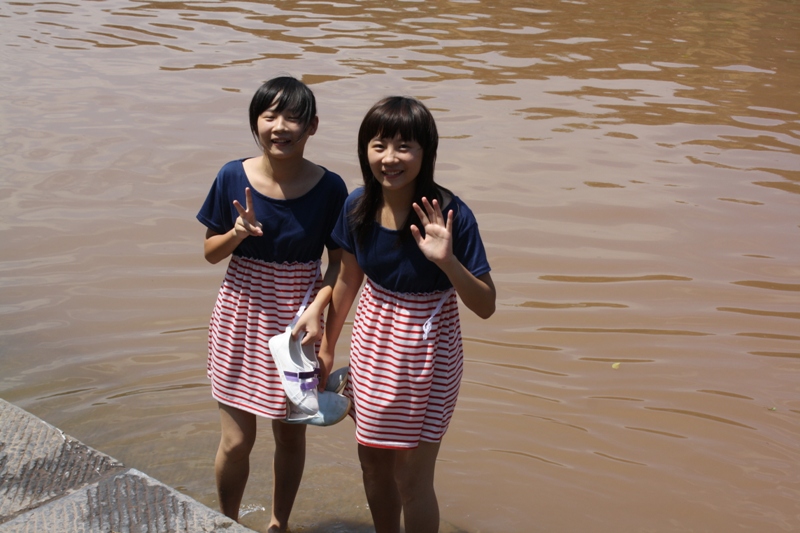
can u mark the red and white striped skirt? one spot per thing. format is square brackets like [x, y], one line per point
[404, 388]
[256, 301]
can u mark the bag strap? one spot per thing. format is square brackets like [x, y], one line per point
[426, 327]
[305, 299]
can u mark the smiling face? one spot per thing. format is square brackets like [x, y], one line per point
[395, 162]
[283, 133]
[389, 160]
[283, 114]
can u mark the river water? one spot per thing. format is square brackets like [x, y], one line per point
[635, 170]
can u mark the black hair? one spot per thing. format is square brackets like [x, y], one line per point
[285, 93]
[412, 121]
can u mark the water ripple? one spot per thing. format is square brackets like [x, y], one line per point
[615, 360]
[789, 355]
[513, 391]
[793, 287]
[559, 422]
[66, 393]
[613, 279]
[616, 398]
[529, 456]
[700, 415]
[519, 367]
[728, 394]
[635, 331]
[185, 330]
[151, 390]
[512, 345]
[621, 460]
[581, 305]
[657, 432]
[757, 312]
[776, 336]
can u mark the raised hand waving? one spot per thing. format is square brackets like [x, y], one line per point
[437, 245]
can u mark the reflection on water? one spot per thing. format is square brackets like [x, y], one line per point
[634, 166]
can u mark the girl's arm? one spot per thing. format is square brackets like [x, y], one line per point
[218, 246]
[309, 321]
[307, 325]
[477, 293]
[344, 293]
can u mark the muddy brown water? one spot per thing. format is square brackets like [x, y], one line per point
[635, 170]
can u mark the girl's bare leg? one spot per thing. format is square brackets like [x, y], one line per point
[232, 464]
[378, 470]
[287, 465]
[414, 471]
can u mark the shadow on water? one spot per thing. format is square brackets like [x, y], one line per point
[349, 526]
[338, 526]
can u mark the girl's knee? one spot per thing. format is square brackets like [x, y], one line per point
[238, 432]
[236, 447]
[289, 436]
[415, 468]
[412, 484]
[376, 463]
[375, 470]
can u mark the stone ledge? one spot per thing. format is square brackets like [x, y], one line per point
[52, 482]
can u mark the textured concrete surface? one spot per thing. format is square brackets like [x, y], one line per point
[50, 482]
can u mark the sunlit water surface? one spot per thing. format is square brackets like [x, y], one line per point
[635, 170]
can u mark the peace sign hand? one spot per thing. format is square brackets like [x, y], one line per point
[246, 224]
[437, 245]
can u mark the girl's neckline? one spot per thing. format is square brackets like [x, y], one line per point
[255, 191]
[448, 207]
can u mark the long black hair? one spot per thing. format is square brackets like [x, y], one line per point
[286, 93]
[412, 121]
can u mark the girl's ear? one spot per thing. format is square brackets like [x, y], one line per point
[312, 126]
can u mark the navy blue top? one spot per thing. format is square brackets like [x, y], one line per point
[295, 230]
[401, 266]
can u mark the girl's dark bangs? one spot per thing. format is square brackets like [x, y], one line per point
[287, 101]
[295, 103]
[287, 94]
[392, 123]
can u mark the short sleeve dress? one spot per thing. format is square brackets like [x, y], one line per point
[265, 283]
[406, 354]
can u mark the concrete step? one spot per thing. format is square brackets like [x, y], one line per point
[50, 482]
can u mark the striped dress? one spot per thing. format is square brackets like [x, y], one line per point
[404, 388]
[265, 284]
[257, 301]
